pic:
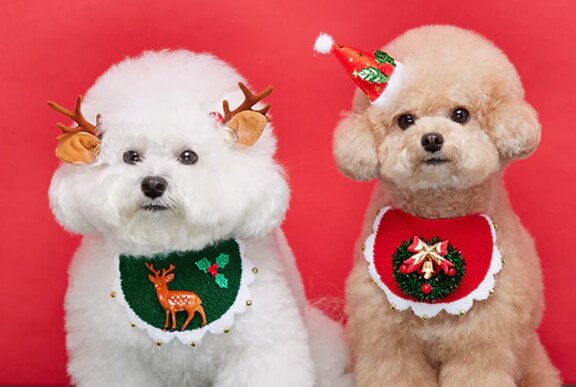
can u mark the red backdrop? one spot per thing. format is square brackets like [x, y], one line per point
[56, 49]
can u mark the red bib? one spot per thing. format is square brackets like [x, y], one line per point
[474, 238]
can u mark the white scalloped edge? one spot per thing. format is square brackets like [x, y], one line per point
[219, 326]
[425, 310]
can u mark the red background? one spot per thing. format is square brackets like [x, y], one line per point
[56, 49]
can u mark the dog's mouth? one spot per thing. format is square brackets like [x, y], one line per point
[435, 161]
[154, 207]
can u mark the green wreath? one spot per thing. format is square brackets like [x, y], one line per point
[439, 286]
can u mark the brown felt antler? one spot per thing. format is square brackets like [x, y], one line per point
[244, 123]
[249, 101]
[77, 116]
[78, 144]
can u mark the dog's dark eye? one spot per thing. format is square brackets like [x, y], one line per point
[460, 115]
[188, 157]
[406, 120]
[131, 157]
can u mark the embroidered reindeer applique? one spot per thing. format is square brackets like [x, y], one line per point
[173, 301]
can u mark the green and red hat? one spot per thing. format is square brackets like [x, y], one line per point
[376, 74]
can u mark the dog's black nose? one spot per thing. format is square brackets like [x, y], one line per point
[432, 142]
[154, 186]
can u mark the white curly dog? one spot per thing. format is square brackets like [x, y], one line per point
[163, 174]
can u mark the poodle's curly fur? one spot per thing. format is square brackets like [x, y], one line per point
[495, 344]
[159, 105]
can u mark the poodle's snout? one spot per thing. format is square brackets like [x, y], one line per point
[432, 142]
[154, 186]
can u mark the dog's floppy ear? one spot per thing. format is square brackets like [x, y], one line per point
[515, 128]
[354, 146]
[69, 197]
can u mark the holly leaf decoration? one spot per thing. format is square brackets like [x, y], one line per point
[222, 281]
[372, 75]
[222, 260]
[203, 264]
[382, 57]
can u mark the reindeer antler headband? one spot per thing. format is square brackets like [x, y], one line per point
[80, 144]
[244, 124]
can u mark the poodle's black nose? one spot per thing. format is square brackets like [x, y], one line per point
[432, 142]
[154, 186]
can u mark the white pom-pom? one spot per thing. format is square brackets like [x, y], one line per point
[323, 44]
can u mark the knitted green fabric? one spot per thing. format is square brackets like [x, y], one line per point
[217, 287]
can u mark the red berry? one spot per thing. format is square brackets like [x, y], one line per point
[426, 288]
[213, 269]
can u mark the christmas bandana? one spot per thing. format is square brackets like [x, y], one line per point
[185, 294]
[430, 265]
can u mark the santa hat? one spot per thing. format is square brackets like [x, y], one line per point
[377, 74]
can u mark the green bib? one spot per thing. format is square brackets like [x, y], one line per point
[185, 294]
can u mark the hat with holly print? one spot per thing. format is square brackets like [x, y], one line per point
[377, 74]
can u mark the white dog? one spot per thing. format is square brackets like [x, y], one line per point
[180, 210]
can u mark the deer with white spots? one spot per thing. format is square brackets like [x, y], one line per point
[175, 300]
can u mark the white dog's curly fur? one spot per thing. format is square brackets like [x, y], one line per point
[158, 105]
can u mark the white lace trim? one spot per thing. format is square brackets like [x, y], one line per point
[425, 310]
[219, 326]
